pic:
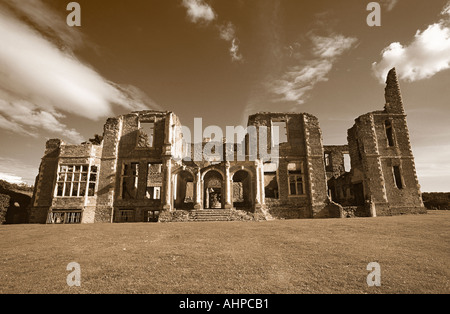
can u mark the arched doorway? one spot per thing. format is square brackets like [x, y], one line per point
[213, 197]
[183, 190]
[242, 190]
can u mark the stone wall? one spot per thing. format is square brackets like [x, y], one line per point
[294, 208]
[336, 161]
[378, 143]
[45, 182]
[304, 145]
[108, 170]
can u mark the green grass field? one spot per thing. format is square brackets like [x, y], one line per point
[277, 257]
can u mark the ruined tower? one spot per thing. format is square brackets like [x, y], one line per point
[383, 169]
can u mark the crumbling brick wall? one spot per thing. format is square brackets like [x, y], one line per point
[334, 160]
[126, 149]
[45, 182]
[382, 159]
[305, 145]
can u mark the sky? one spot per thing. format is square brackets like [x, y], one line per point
[220, 60]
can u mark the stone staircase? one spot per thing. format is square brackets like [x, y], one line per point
[210, 215]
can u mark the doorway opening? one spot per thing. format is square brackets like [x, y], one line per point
[213, 193]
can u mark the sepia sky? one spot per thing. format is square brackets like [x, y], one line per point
[220, 60]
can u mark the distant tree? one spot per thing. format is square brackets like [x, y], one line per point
[439, 201]
[97, 140]
[4, 205]
[5, 185]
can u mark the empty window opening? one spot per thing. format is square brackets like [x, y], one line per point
[296, 179]
[271, 181]
[92, 180]
[130, 178]
[327, 160]
[147, 134]
[347, 163]
[154, 181]
[242, 190]
[398, 177]
[189, 197]
[72, 181]
[64, 217]
[151, 216]
[279, 129]
[389, 134]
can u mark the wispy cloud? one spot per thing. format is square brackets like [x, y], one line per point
[199, 11]
[234, 50]
[48, 22]
[331, 47]
[302, 77]
[25, 118]
[41, 78]
[11, 178]
[427, 54]
[227, 32]
[389, 4]
[20, 173]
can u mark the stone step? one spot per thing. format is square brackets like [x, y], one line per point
[210, 215]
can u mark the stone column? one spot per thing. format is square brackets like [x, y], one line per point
[262, 188]
[167, 185]
[198, 190]
[257, 185]
[228, 189]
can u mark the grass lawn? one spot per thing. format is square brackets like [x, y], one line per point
[277, 257]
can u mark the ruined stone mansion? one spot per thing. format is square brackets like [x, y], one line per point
[133, 175]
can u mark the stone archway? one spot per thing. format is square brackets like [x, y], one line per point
[183, 190]
[214, 190]
[242, 192]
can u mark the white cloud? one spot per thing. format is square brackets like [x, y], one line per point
[300, 79]
[14, 127]
[234, 51]
[331, 47]
[199, 11]
[19, 173]
[227, 31]
[11, 178]
[48, 22]
[40, 77]
[446, 9]
[427, 54]
[25, 115]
